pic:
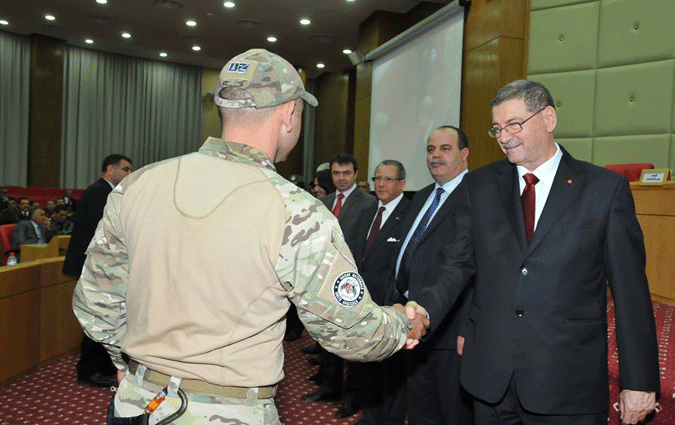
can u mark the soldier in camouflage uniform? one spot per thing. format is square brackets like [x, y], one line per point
[197, 259]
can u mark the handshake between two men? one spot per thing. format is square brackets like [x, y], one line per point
[420, 322]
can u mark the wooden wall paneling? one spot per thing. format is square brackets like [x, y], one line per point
[46, 105]
[19, 333]
[59, 329]
[490, 19]
[378, 28]
[23, 277]
[210, 118]
[655, 209]
[331, 117]
[494, 55]
[362, 135]
[486, 69]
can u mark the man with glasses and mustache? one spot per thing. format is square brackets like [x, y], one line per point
[541, 234]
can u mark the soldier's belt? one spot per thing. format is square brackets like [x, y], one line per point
[197, 386]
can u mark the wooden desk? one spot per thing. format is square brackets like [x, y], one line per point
[655, 209]
[37, 323]
[56, 247]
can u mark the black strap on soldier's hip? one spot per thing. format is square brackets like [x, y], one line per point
[144, 419]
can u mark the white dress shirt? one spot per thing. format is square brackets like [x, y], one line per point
[448, 188]
[545, 173]
[388, 209]
[346, 193]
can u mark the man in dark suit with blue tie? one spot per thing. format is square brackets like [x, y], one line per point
[377, 238]
[433, 392]
[542, 234]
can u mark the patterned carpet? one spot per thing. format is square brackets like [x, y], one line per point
[52, 396]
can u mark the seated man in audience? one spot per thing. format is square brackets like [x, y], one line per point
[49, 208]
[10, 213]
[60, 224]
[32, 231]
[24, 208]
[69, 201]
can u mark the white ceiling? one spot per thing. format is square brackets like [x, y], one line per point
[159, 25]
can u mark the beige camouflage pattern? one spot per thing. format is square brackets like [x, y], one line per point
[265, 80]
[312, 255]
[203, 409]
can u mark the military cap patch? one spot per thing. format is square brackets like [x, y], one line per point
[349, 289]
[238, 67]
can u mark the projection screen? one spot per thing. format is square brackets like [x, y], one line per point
[415, 89]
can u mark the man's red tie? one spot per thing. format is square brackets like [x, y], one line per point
[338, 204]
[528, 200]
[373, 231]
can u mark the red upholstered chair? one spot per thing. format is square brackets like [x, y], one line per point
[632, 171]
[6, 231]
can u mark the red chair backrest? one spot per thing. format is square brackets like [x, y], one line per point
[631, 171]
[6, 231]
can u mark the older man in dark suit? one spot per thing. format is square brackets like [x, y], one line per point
[31, 231]
[347, 203]
[377, 238]
[543, 233]
[95, 366]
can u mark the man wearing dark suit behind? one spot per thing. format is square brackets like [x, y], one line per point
[433, 391]
[95, 366]
[536, 345]
[375, 249]
[347, 203]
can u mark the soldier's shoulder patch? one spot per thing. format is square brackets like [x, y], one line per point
[349, 289]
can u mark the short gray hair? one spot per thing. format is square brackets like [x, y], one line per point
[400, 169]
[535, 95]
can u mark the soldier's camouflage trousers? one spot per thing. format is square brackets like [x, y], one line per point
[202, 409]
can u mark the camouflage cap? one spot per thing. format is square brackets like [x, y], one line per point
[261, 79]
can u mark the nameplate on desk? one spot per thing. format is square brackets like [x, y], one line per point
[654, 177]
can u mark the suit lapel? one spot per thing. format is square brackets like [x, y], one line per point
[385, 231]
[565, 186]
[348, 203]
[415, 207]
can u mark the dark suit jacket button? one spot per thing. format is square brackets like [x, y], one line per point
[519, 312]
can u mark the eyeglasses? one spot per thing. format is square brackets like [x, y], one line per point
[512, 128]
[384, 179]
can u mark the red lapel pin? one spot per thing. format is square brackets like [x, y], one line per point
[569, 181]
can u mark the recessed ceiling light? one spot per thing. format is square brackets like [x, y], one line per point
[320, 65]
[346, 51]
[272, 39]
[50, 17]
[196, 48]
[101, 1]
[3, 22]
[229, 4]
[350, 1]
[126, 35]
[89, 41]
[191, 23]
[163, 54]
[305, 21]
